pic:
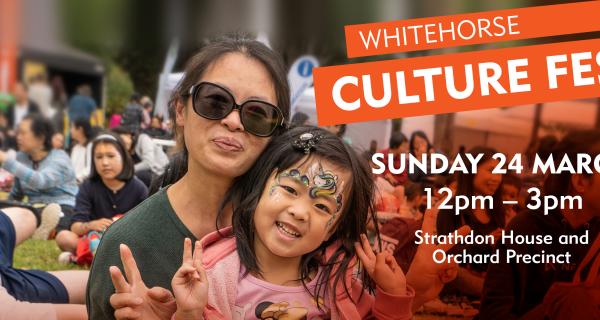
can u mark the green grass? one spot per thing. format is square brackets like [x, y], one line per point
[42, 255]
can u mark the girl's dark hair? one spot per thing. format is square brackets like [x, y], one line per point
[419, 134]
[41, 128]
[584, 141]
[195, 68]
[113, 139]
[88, 131]
[281, 155]
[465, 187]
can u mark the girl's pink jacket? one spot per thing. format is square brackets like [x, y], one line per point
[222, 265]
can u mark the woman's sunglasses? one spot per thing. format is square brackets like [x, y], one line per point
[214, 102]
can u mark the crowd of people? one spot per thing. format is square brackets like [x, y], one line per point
[250, 217]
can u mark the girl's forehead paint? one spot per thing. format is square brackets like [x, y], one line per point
[321, 183]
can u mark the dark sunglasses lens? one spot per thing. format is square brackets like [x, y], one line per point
[259, 118]
[212, 102]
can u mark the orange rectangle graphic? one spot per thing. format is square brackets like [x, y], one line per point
[457, 82]
[471, 28]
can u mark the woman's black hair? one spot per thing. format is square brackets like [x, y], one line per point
[465, 187]
[280, 155]
[419, 134]
[195, 68]
[41, 128]
[584, 141]
[113, 139]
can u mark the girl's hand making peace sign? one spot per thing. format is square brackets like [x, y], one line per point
[381, 267]
[190, 284]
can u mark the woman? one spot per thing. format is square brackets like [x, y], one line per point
[149, 158]
[42, 174]
[484, 221]
[218, 145]
[81, 153]
[111, 190]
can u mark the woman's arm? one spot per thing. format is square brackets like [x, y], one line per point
[53, 174]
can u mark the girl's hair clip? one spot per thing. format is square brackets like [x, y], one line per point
[306, 142]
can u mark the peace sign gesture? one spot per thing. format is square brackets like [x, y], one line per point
[381, 267]
[190, 284]
[132, 298]
[424, 275]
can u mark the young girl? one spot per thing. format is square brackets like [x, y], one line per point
[299, 219]
[111, 190]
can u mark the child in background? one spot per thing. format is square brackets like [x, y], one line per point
[110, 190]
[299, 225]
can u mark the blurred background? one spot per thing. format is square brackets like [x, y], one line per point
[120, 47]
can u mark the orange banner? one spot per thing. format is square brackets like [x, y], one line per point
[457, 82]
[10, 14]
[473, 28]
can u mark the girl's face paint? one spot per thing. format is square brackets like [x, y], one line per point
[321, 183]
[299, 209]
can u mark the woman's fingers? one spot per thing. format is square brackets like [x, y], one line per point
[131, 270]
[121, 285]
[123, 300]
[161, 295]
[126, 314]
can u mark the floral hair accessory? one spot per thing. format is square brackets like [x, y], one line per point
[306, 142]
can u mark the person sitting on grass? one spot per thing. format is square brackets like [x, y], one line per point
[110, 191]
[42, 174]
[35, 294]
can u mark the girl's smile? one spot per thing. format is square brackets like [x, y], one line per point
[299, 207]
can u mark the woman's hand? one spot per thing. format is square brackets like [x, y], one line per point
[99, 225]
[381, 267]
[133, 300]
[424, 275]
[190, 284]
